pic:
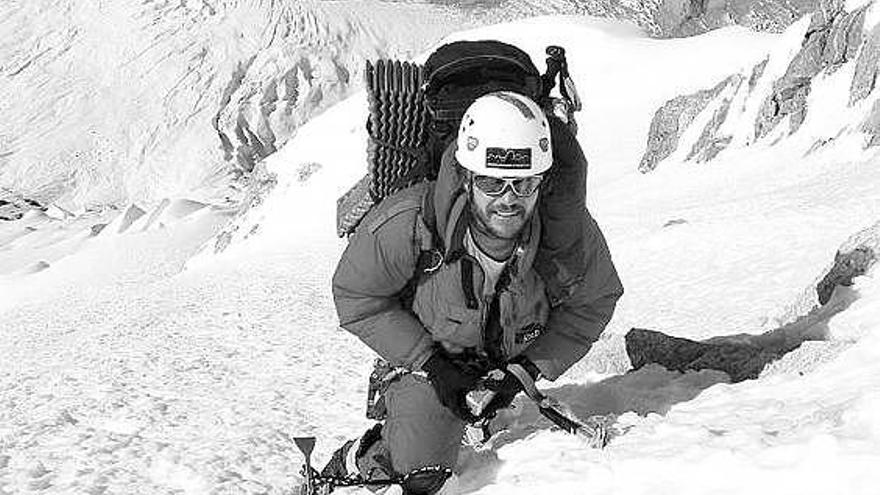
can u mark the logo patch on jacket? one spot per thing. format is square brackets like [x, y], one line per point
[509, 158]
[529, 333]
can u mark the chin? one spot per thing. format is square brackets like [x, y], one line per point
[507, 230]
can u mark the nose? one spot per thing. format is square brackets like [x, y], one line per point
[508, 197]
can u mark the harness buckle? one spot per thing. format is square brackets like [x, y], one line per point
[435, 261]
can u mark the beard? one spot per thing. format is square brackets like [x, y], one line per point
[508, 226]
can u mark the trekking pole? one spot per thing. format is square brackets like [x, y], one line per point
[556, 57]
[596, 433]
[306, 445]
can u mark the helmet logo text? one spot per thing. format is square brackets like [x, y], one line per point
[509, 158]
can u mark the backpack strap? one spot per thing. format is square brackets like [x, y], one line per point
[431, 250]
[429, 215]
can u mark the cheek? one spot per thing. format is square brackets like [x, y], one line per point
[530, 204]
[480, 203]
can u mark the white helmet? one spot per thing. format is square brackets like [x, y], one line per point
[504, 134]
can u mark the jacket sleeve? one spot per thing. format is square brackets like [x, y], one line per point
[377, 263]
[575, 324]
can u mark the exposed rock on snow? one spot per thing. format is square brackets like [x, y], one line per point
[14, 207]
[97, 228]
[747, 356]
[674, 118]
[867, 65]
[129, 217]
[854, 259]
[871, 125]
[831, 40]
[777, 102]
[259, 184]
[711, 140]
[275, 91]
[677, 18]
[740, 360]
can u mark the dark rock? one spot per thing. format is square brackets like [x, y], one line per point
[678, 18]
[13, 206]
[867, 65]
[844, 38]
[97, 228]
[832, 39]
[675, 221]
[871, 126]
[847, 266]
[740, 360]
[131, 215]
[223, 241]
[757, 72]
[788, 99]
[670, 122]
[710, 143]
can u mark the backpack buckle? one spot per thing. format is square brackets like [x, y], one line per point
[433, 260]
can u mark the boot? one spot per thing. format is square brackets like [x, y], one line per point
[366, 458]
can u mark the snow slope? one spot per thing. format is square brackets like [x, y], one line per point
[125, 373]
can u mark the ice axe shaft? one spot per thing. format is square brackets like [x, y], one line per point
[551, 409]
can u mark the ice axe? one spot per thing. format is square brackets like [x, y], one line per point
[595, 430]
[306, 445]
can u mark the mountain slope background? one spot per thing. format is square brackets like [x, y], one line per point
[108, 103]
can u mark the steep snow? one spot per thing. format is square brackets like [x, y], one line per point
[122, 374]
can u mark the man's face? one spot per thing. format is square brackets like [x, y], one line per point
[502, 215]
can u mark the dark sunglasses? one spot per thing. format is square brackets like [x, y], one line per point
[495, 186]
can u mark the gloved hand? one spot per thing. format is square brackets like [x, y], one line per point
[507, 388]
[451, 383]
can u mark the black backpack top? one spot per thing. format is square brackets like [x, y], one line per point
[458, 73]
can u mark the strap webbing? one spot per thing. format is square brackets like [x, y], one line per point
[528, 383]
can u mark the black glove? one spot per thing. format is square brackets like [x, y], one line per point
[507, 388]
[451, 383]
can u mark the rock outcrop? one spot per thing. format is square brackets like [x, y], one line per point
[14, 207]
[270, 94]
[740, 360]
[746, 356]
[677, 115]
[678, 18]
[775, 103]
[832, 40]
[854, 258]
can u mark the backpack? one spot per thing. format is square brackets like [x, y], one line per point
[414, 112]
